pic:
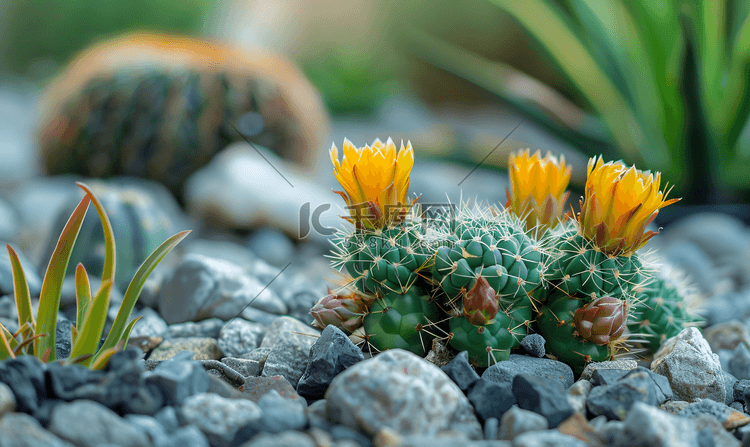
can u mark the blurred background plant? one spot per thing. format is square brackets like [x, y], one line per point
[661, 84]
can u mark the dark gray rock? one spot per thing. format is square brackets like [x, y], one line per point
[24, 375]
[739, 363]
[490, 399]
[647, 426]
[7, 400]
[640, 385]
[626, 364]
[343, 433]
[178, 378]
[534, 345]
[151, 324]
[151, 427]
[277, 415]
[728, 417]
[22, 430]
[505, 371]
[331, 354]
[542, 396]
[741, 391]
[461, 372]
[517, 421]
[168, 418]
[712, 432]
[86, 423]
[729, 382]
[64, 381]
[224, 371]
[239, 337]
[246, 367]
[63, 339]
[661, 389]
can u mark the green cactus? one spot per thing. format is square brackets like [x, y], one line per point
[493, 246]
[383, 261]
[492, 342]
[578, 268]
[406, 321]
[556, 324]
[661, 310]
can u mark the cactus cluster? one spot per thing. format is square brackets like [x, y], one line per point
[482, 277]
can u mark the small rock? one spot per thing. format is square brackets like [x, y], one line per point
[290, 341]
[490, 399]
[542, 396]
[203, 329]
[400, 390]
[461, 372]
[739, 363]
[277, 416]
[87, 423]
[729, 381]
[622, 364]
[63, 338]
[272, 246]
[248, 368]
[726, 335]
[693, 371]
[646, 425]
[516, 421]
[257, 387]
[331, 354]
[534, 345]
[224, 372]
[7, 400]
[674, 406]
[286, 328]
[239, 337]
[729, 418]
[190, 435]
[506, 370]
[287, 438]
[439, 355]
[178, 378]
[579, 427]
[258, 355]
[202, 349]
[151, 324]
[741, 391]
[22, 430]
[24, 375]
[219, 418]
[607, 376]
[705, 424]
[491, 428]
[168, 419]
[151, 427]
[545, 438]
[577, 395]
[203, 287]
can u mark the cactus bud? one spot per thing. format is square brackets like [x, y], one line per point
[602, 321]
[343, 310]
[480, 303]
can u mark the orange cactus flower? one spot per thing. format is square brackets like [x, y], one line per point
[375, 181]
[618, 204]
[537, 188]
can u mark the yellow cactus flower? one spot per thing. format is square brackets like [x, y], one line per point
[618, 204]
[537, 188]
[375, 181]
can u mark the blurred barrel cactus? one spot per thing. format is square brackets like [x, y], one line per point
[160, 107]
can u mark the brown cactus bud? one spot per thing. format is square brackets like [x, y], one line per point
[602, 321]
[480, 303]
[345, 310]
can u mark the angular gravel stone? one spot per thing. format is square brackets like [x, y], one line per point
[248, 368]
[729, 381]
[577, 395]
[150, 325]
[290, 341]
[607, 376]
[624, 364]
[202, 348]
[202, 329]
[22, 430]
[726, 335]
[257, 387]
[86, 423]
[190, 435]
[491, 429]
[277, 416]
[739, 362]
[461, 372]
[547, 438]
[523, 364]
[534, 345]
[286, 328]
[741, 391]
[402, 391]
[239, 337]
[331, 354]
[203, 287]
[517, 421]
[178, 378]
[224, 372]
[63, 338]
[639, 385]
[168, 418]
[693, 371]
[707, 426]
[490, 399]
[151, 427]
[729, 418]
[543, 397]
[648, 426]
[24, 376]
[219, 418]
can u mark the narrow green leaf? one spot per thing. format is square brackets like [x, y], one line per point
[103, 358]
[549, 28]
[93, 323]
[49, 298]
[83, 295]
[135, 287]
[108, 271]
[23, 297]
[128, 330]
[10, 337]
[5, 349]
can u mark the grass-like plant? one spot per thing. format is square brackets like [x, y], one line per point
[37, 336]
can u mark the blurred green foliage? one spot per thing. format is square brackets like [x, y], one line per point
[53, 31]
[662, 84]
